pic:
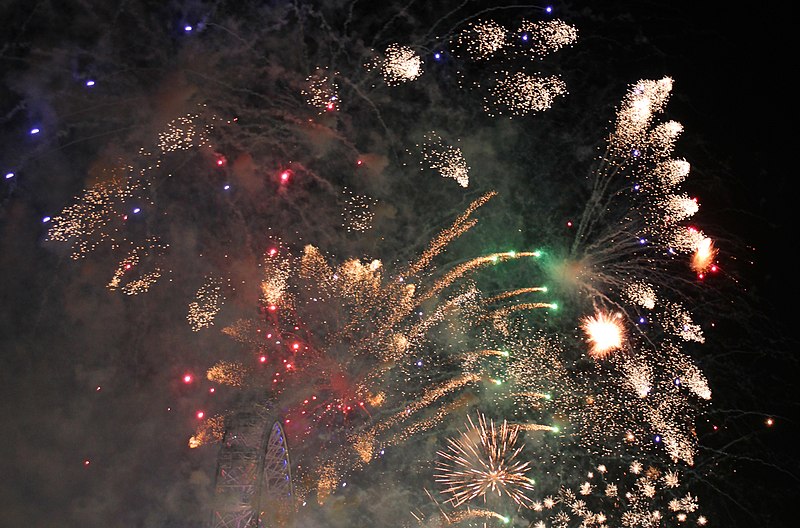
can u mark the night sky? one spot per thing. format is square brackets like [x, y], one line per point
[96, 414]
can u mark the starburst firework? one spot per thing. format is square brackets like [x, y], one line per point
[484, 460]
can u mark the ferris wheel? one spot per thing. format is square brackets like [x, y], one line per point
[253, 483]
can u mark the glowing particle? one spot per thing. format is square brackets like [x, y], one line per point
[604, 332]
[704, 256]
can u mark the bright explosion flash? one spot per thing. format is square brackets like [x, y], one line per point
[605, 334]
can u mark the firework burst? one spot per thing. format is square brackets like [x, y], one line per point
[351, 349]
[484, 459]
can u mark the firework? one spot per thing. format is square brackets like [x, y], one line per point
[480, 40]
[400, 64]
[322, 91]
[228, 373]
[446, 159]
[348, 348]
[546, 37]
[483, 459]
[183, 133]
[207, 304]
[704, 255]
[518, 94]
[360, 355]
[638, 497]
[604, 332]
[358, 211]
[210, 431]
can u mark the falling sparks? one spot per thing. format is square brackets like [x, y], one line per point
[640, 377]
[183, 133]
[210, 431]
[401, 64]
[548, 36]
[130, 276]
[228, 373]
[322, 91]
[83, 223]
[207, 304]
[642, 294]
[358, 211]
[445, 158]
[519, 94]
[482, 39]
[678, 320]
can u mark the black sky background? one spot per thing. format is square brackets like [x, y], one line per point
[732, 65]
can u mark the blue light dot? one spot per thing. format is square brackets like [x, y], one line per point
[549, 9]
[657, 438]
[34, 131]
[419, 363]
[227, 187]
[642, 320]
[9, 175]
[636, 153]
[643, 241]
[45, 219]
[677, 381]
[90, 83]
[187, 28]
[524, 37]
[437, 55]
[636, 187]
[136, 210]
